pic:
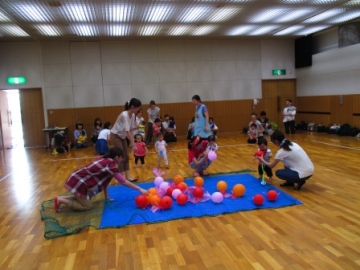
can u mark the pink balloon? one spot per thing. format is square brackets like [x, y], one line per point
[164, 185]
[212, 155]
[176, 193]
[158, 180]
[217, 197]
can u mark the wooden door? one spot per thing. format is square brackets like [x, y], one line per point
[274, 96]
[32, 116]
[5, 122]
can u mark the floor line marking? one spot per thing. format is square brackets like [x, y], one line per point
[336, 145]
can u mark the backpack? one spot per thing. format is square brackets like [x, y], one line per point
[302, 126]
[344, 130]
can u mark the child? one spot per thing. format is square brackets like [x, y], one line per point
[266, 156]
[79, 128]
[172, 125]
[156, 127]
[213, 127]
[253, 134]
[141, 129]
[197, 155]
[160, 148]
[96, 131]
[101, 145]
[212, 145]
[81, 140]
[141, 149]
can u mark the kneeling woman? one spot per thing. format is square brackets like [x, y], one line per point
[91, 179]
[298, 166]
[198, 159]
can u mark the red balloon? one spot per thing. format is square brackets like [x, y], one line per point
[165, 202]
[181, 186]
[198, 192]
[182, 199]
[141, 201]
[258, 199]
[259, 153]
[169, 191]
[272, 195]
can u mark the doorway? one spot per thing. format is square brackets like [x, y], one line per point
[17, 135]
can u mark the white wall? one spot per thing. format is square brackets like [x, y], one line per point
[335, 72]
[106, 73]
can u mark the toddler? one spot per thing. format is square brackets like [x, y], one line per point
[81, 140]
[157, 127]
[266, 156]
[212, 145]
[253, 134]
[101, 145]
[160, 148]
[141, 150]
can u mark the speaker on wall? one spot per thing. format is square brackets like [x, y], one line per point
[303, 52]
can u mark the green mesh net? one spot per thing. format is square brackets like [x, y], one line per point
[68, 221]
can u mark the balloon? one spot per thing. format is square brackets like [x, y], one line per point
[165, 202]
[198, 192]
[161, 152]
[158, 180]
[176, 193]
[217, 197]
[141, 201]
[198, 181]
[212, 155]
[238, 190]
[154, 200]
[259, 153]
[272, 195]
[169, 191]
[221, 186]
[164, 185]
[181, 186]
[258, 199]
[152, 191]
[178, 179]
[182, 199]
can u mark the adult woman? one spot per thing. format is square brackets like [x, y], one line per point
[298, 166]
[260, 129]
[122, 129]
[153, 113]
[87, 181]
[201, 125]
[197, 155]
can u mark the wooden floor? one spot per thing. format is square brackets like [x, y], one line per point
[323, 233]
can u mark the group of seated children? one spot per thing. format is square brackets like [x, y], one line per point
[258, 127]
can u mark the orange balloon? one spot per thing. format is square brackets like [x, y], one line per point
[238, 190]
[221, 186]
[198, 181]
[154, 200]
[178, 179]
[183, 183]
[152, 191]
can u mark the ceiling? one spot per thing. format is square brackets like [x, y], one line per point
[44, 20]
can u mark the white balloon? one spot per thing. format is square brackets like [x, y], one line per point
[158, 181]
[164, 185]
[176, 192]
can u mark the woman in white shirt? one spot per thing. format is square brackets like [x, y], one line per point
[298, 166]
[122, 129]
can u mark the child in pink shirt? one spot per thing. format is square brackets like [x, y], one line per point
[141, 150]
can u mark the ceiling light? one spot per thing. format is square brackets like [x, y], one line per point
[118, 30]
[85, 30]
[14, 30]
[223, 14]
[3, 17]
[149, 30]
[346, 17]
[118, 13]
[203, 30]
[292, 15]
[263, 30]
[179, 30]
[32, 13]
[194, 14]
[241, 30]
[79, 13]
[48, 30]
[158, 13]
[352, 3]
[268, 15]
[311, 30]
[289, 30]
[325, 15]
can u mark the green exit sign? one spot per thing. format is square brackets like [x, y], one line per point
[16, 80]
[278, 72]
